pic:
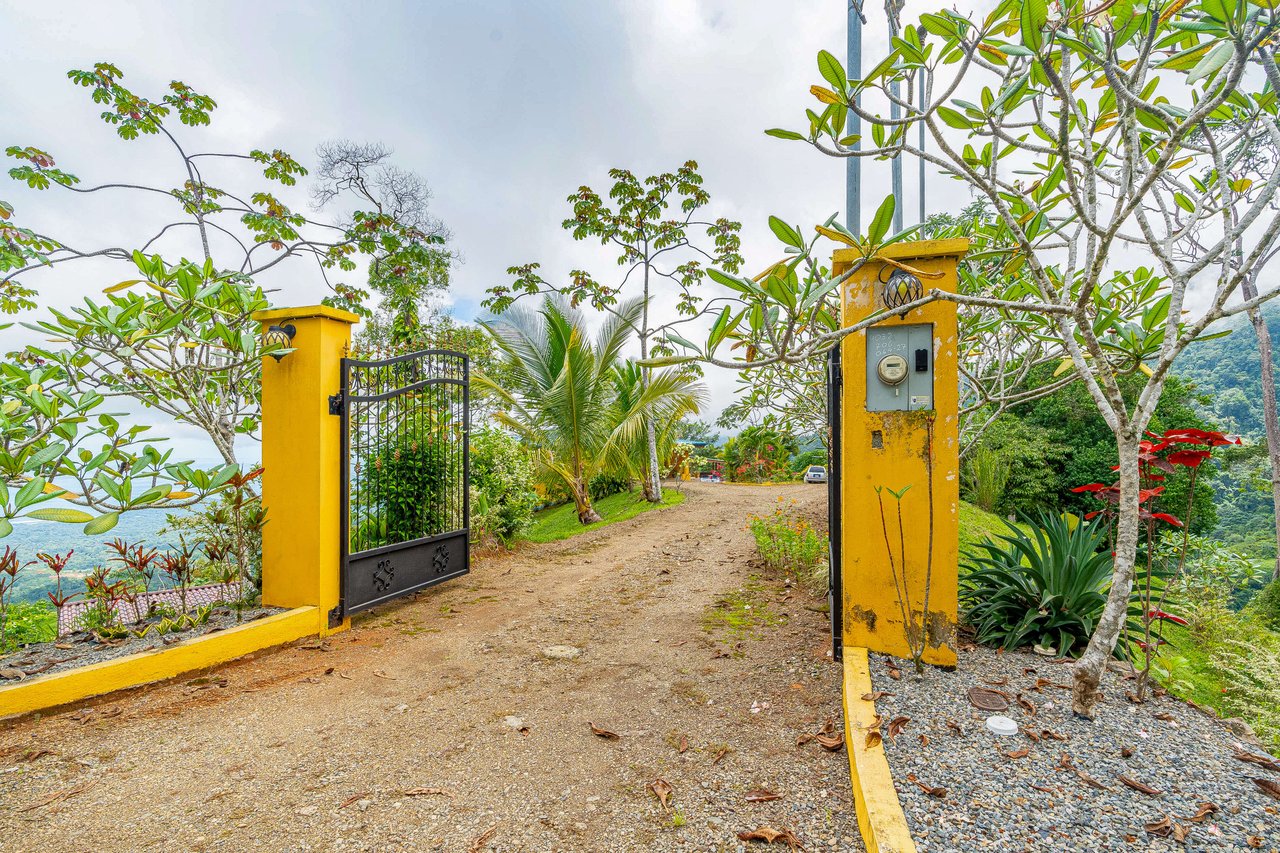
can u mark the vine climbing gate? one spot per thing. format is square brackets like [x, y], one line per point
[405, 506]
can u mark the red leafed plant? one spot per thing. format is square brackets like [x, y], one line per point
[1162, 455]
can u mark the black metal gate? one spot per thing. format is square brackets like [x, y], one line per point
[405, 502]
[835, 594]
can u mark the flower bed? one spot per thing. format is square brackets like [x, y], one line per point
[133, 612]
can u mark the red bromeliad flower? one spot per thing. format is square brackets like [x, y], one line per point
[1152, 615]
[1189, 458]
[1199, 436]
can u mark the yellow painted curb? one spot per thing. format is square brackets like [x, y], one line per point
[62, 688]
[880, 817]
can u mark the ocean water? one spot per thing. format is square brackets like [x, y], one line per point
[32, 537]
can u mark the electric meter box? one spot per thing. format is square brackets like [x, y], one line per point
[900, 368]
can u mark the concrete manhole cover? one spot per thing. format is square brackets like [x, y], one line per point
[561, 652]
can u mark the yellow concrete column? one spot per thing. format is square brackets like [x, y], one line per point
[301, 453]
[891, 450]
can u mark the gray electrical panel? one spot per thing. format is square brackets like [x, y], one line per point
[900, 368]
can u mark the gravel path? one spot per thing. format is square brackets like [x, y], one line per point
[449, 722]
[1056, 785]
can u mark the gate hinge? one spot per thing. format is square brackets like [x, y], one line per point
[335, 403]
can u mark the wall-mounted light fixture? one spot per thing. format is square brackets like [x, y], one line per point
[280, 339]
[900, 288]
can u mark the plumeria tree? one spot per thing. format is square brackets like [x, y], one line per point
[1094, 135]
[665, 241]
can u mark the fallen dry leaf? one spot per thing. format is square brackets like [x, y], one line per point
[924, 740]
[604, 733]
[1203, 812]
[930, 790]
[382, 674]
[892, 669]
[354, 798]
[1028, 670]
[684, 745]
[1044, 789]
[769, 835]
[12, 674]
[1269, 787]
[1021, 753]
[955, 728]
[1164, 716]
[1254, 841]
[480, 841]
[1138, 786]
[1162, 828]
[721, 753]
[831, 743]
[1030, 733]
[896, 725]
[663, 790]
[762, 795]
[874, 738]
[1052, 734]
[875, 695]
[1260, 760]
[1126, 752]
[36, 754]
[1089, 780]
[1026, 704]
[427, 792]
[55, 797]
[63, 646]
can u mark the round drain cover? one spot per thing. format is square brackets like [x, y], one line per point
[988, 700]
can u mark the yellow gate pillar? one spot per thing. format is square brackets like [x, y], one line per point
[301, 455]
[899, 417]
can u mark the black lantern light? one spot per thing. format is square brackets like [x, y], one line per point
[279, 339]
[900, 288]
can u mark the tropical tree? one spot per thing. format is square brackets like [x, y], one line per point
[682, 395]
[1088, 132]
[178, 336]
[653, 227]
[561, 395]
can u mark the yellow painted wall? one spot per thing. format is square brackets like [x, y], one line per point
[872, 611]
[301, 447]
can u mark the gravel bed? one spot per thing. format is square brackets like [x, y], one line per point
[1018, 793]
[81, 649]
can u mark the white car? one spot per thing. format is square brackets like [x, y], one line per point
[816, 474]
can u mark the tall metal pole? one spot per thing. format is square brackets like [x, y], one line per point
[923, 215]
[853, 165]
[895, 113]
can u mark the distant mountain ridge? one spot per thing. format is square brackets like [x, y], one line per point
[1229, 371]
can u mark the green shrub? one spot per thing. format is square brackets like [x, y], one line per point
[502, 491]
[789, 544]
[1044, 587]
[606, 483]
[986, 475]
[1266, 605]
[404, 492]
[29, 622]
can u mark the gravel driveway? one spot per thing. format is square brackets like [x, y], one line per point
[460, 720]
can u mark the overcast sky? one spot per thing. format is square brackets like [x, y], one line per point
[505, 108]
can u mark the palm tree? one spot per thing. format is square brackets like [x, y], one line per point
[560, 395]
[679, 395]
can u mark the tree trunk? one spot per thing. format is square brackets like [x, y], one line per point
[1272, 420]
[1088, 670]
[582, 501]
[653, 476]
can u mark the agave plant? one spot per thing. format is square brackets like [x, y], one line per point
[1045, 587]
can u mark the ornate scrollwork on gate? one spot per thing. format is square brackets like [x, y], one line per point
[440, 562]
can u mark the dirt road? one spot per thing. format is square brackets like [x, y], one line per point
[449, 722]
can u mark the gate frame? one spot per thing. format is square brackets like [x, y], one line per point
[835, 514]
[340, 405]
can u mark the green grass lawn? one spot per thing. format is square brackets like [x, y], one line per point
[561, 522]
[976, 525]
